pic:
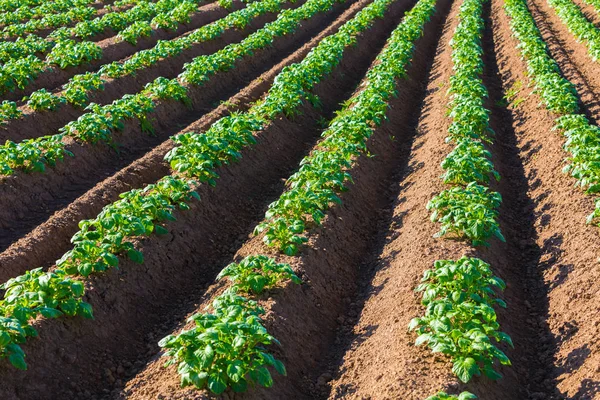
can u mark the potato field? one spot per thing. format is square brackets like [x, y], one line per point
[309, 199]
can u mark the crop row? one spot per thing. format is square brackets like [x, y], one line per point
[99, 123]
[139, 213]
[26, 13]
[78, 88]
[144, 10]
[67, 52]
[67, 17]
[577, 23]
[459, 319]
[560, 97]
[311, 191]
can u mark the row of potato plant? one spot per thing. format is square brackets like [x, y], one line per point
[459, 296]
[143, 10]
[12, 5]
[560, 97]
[49, 21]
[311, 191]
[140, 212]
[59, 15]
[100, 121]
[68, 52]
[577, 23]
[26, 13]
[77, 90]
[469, 209]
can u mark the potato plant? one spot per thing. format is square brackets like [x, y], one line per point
[227, 348]
[460, 320]
[254, 274]
[445, 396]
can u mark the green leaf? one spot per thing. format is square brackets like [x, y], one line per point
[465, 368]
[217, 384]
[235, 371]
[18, 361]
[135, 256]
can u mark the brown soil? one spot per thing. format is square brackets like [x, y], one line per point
[139, 303]
[305, 318]
[35, 124]
[27, 199]
[113, 49]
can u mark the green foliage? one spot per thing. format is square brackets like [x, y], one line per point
[324, 174]
[225, 349]
[42, 100]
[8, 111]
[445, 396]
[19, 73]
[69, 53]
[467, 212]
[575, 20]
[459, 320]
[254, 274]
[135, 31]
[49, 294]
[468, 162]
[31, 155]
[139, 213]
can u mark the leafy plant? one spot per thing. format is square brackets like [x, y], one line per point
[256, 273]
[42, 100]
[9, 110]
[445, 396]
[459, 320]
[468, 212]
[225, 349]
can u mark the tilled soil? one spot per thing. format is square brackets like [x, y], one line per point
[343, 332]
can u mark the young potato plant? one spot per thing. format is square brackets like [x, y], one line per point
[31, 155]
[469, 162]
[19, 73]
[49, 294]
[257, 273]
[227, 348]
[445, 396]
[323, 174]
[42, 100]
[460, 320]
[469, 212]
[8, 111]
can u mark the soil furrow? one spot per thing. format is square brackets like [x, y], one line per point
[138, 303]
[114, 49]
[38, 195]
[305, 318]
